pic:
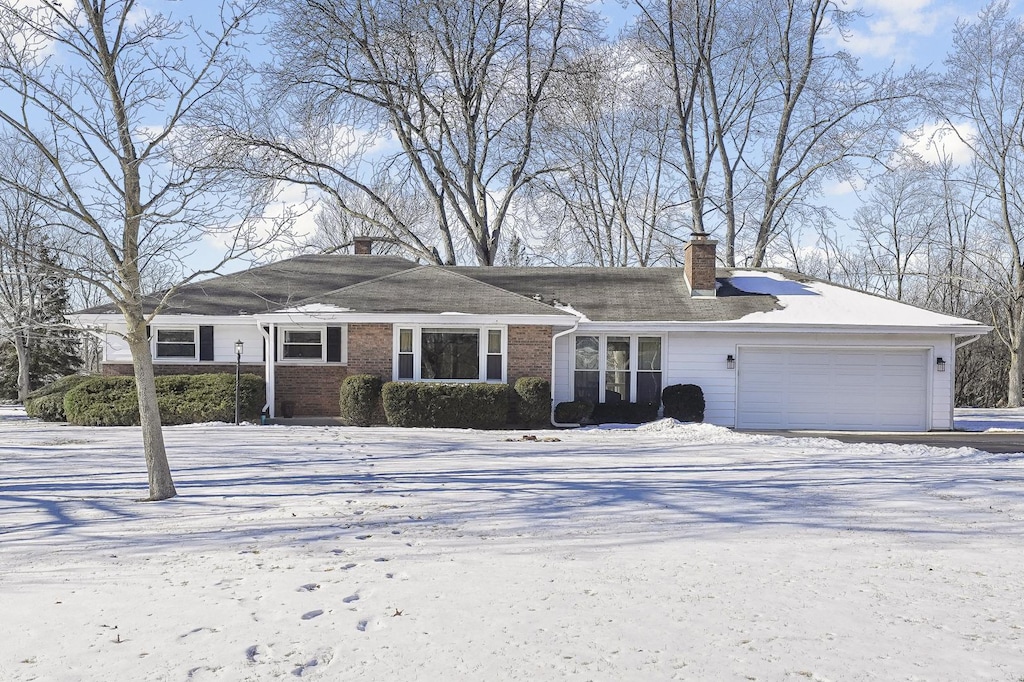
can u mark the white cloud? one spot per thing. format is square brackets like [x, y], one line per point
[932, 141]
[890, 30]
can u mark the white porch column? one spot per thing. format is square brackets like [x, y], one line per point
[268, 344]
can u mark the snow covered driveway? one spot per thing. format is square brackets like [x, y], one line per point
[666, 552]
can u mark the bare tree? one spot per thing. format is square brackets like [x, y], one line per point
[607, 138]
[104, 92]
[440, 98]
[895, 224]
[981, 98]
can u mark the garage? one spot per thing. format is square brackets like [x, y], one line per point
[832, 388]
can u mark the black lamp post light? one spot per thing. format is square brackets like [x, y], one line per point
[238, 378]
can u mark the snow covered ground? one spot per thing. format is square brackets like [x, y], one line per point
[665, 552]
[981, 419]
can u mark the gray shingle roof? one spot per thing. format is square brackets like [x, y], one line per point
[270, 287]
[390, 284]
[432, 290]
[625, 294]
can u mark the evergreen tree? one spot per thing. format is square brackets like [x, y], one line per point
[52, 345]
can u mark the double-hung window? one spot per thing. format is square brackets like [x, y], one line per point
[302, 344]
[176, 344]
[449, 354]
[617, 368]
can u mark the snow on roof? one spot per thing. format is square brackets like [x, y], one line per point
[815, 302]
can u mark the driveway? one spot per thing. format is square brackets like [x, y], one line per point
[994, 442]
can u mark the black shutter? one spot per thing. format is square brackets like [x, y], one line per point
[148, 335]
[265, 342]
[275, 344]
[206, 343]
[334, 344]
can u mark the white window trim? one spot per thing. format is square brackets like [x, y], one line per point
[155, 332]
[417, 345]
[282, 329]
[602, 359]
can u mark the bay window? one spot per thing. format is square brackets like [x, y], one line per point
[449, 354]
[617, 368]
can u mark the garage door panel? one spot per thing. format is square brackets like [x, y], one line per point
[832, 389]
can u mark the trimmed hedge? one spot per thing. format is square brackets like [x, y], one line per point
[532, 402]
[47, 402]
[625, 413]
[360, 400]
[574, 412]
[183, 399]
[684, 402]
[465, 406]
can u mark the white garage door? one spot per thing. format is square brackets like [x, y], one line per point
[798, 388]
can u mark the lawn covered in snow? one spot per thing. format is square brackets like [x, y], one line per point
[665, 552]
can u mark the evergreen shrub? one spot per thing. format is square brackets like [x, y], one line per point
[574, 412]
[360, 400]
[47, 403]
[532, 402]
[183, 399]
[625, 413]
[466, 406]
[684, 402]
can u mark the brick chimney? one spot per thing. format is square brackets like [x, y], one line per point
[699, 264]
[362, 246]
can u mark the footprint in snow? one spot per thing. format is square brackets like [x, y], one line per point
[258, 653]
[308, 587]
[362, 625]
[363, 537]
[321, 658]
[348, 566]
[310, 615]
[351, 598]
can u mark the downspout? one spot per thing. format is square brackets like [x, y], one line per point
[268, 343]
[553, 340]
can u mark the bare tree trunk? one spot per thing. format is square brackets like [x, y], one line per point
[161, 486]
[21, 347]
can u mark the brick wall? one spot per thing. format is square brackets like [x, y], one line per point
[369, 349]
[313, 390]
[529, 352]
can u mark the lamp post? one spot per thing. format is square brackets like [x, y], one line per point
[238, 379]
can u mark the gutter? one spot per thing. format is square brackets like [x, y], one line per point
[553, 340]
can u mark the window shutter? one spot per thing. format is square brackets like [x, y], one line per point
[334, 344]
[274, 341]
[148, 334]
[206, 343]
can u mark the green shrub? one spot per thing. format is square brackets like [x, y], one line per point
[574, 412]
[47, 403]
[183, 399]
[532, 402]
[103, 401]
[684, 402]
[625, 413]
[360, 400]
[467, 406]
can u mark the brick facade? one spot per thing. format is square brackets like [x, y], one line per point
[370, 349]
[313, 390]
[529, 352]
